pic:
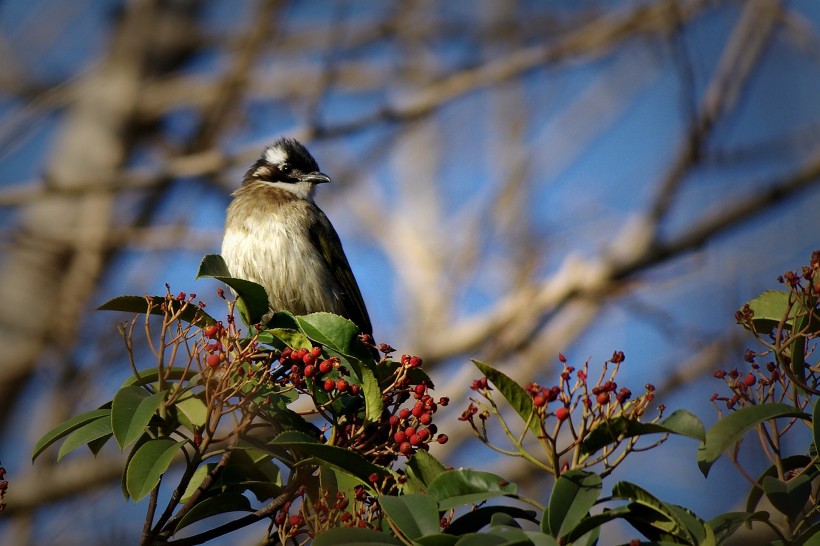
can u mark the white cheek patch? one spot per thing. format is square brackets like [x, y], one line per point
[302, 190]
[275, 156]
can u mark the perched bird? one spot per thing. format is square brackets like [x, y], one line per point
[277, 237]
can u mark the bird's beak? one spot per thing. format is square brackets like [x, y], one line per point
[316, 177]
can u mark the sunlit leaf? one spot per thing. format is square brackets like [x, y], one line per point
[460, 487]
[617, 428]
[86, 434]
[513, 393]
[131, 411]
[65, 428]
[253, 295]
[415, 514]
[148, 464]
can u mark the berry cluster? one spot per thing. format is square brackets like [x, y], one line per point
[574, 402]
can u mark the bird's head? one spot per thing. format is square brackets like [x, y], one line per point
[288, 165]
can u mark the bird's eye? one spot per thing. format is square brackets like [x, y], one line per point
[285, 168]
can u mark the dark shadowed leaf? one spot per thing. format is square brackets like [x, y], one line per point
[789, 497]
[572, 496]
[474, 520]
[726, 432]
[354, 536]
[619, 427]
[220, 504]
[787, 464]
[139, 305]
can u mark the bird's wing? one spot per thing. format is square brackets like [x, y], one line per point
[331, 251]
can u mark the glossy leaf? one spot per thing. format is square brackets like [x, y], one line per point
[574, 493]
[139, 305]
[194, 409]
[788, 497]
[65, 428]
[513, 393]
[336, 333]
[131, 411]
[422, 469]
[592, 524]
[200, 474]
[728, 430]
[339, 458]
[220, 504]
[354, 536]
[463, 486]
[253, 295]
[681, 422]
[769, 308]
[415, 514]
[148, 464]
[86, 434]
[292, 338]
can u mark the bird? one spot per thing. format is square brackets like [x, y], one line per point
[276, 236]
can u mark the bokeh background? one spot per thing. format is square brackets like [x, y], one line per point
[511, 179]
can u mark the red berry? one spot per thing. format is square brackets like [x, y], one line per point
[562, 413]
[404, 413]
[400, 437]
[325, 366]
[749, 380]
[603, 398]
[426, 419]
[281, 518]
[394, 420]
[423, 434]
[418, 410]
[214, 360]
[442, 439]
[373, 478]
[316, 352]
[342, 385]
[329, 385]
[539, 401]
[414, 440]
[211, 331]
[308, 359]
[420, 389]
[410, 431]
[406, 448]
[296, 520]
[310, 371]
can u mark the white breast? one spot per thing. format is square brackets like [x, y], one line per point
[274, 250]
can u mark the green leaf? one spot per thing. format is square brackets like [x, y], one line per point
[148, 464]
[573, 495]
[131, 411]
[200, 474]
[437, 539]
[769, 308]
[788, 464]
[475, 520]
[422, 469]
[788, 497]
[463, 486]
[65, 428]
[513, 393]
[152, 375]
[811, 537]
[728, 430]
[253, 296]
[86, 434]
[726, 524]
[415, 514]
[139, 305]
[292, 338]
[220, 504]
[194, 409]
[341, 459]
[354, 536]
[336, 333]
[592, 524]
[619, 427]
[654, 514]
